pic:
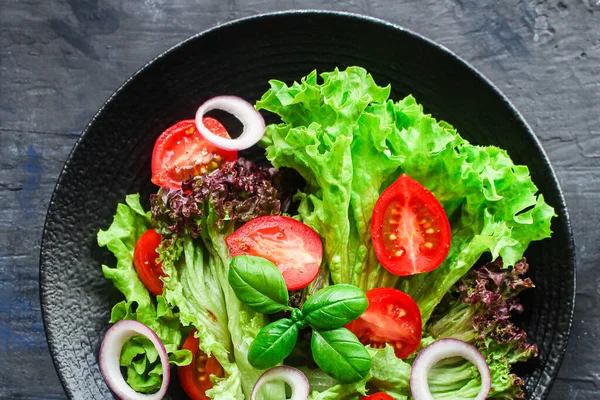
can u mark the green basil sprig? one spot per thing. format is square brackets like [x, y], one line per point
[258, 283]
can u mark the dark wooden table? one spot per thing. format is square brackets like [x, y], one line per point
[60, 59]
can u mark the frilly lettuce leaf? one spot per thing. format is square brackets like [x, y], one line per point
[144, 373]
[316, 141]
[349, 142]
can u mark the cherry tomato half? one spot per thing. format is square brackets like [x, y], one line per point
[144, 261]
[410, 229]
[291, 245]
[181, 152]
[378, 396]
[392, 317]
[195, 377]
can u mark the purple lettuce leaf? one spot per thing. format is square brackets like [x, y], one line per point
[237, 193]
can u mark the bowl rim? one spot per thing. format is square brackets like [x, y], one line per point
[560, 352]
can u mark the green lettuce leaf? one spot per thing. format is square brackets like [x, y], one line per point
[139, 357]
[191, 286]
[129, 223]
[316, 139]
[492, 203]
[244, 323]
[349, 143]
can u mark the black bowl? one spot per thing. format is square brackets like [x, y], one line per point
[112, 159]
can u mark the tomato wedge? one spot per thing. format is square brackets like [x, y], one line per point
[378, 396]
[195, 377]
[144, 261]
[181, 152]
[294, 247]
[392, 317]
[409, 228]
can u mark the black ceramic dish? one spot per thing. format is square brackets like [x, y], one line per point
[112, 158]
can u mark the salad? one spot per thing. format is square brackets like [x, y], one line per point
[378, 255]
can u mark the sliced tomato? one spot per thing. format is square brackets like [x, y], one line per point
[144, 261]
[181, 152]
[378, 396]
[195, 377]
[294, 247]
[409, 228]
[392, 317]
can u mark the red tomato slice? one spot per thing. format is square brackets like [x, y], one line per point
[195, 377]
[144, 261]
[378, 396]
[181, 152]
[291, 245]
[410, 229]
[392, 317]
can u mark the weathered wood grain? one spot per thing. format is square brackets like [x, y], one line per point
[59, 60]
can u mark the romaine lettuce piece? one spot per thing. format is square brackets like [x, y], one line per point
[192, 286]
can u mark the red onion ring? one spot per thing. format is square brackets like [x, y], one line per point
[253, 122]
[110, 353]
[438, 351]
[292, 376]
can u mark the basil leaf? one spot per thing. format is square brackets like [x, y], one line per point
[340, 355]
[273, 343]
[335, 306]
[257, 282]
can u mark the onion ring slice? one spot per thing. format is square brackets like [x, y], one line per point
[110, 353]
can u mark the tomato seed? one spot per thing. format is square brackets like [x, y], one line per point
[428, 245]
[429, 231]
[399, 253]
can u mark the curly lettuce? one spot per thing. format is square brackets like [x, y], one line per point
[139, 357]
[349, 142]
